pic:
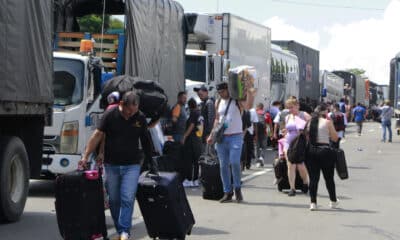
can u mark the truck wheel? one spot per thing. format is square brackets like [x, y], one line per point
[14, 178]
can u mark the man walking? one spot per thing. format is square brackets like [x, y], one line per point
[386, 120]
[359, 116]
[122, 128]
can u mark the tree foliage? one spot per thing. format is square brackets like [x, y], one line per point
[93, 23]
[356, 71]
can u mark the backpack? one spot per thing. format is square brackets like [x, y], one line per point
[338, 121]
[261, 120]
[298, 148]
[246, 119]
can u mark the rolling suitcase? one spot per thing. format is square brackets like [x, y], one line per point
[80, 206]
[281, 170]
[210, 177]
[164, 206]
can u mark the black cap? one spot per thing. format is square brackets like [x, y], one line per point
[222, 85]
[202, 88]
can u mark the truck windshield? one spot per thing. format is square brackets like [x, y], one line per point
[68, 81]
[195, 68]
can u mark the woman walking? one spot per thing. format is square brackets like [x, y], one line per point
[295, 123]
[320, 156]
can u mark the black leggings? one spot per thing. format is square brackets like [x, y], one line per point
[321, 158]
[191, 153]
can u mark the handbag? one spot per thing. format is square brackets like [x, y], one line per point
[218, 131]
[340, 163]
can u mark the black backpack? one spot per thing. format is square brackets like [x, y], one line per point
[246, 119]
[338, 121]
[298, 149]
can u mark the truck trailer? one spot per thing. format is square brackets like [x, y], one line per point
[26, 98]
[220, 41]
[309, 87]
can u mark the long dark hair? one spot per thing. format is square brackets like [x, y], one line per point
[313, 129]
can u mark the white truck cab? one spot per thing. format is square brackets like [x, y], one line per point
[75, 112]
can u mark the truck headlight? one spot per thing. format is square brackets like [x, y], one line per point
[69, 137]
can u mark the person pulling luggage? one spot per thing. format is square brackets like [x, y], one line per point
[122, 128]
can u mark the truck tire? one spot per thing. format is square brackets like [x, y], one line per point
[14, 178]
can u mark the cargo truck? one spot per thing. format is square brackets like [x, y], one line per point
[220, 41]
[26, 98]
[151, 47]
[309, 87]
[331, 86]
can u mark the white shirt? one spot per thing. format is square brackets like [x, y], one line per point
[253, 119]
[233, 118]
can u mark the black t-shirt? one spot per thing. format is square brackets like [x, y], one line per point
[193, 118]
[122, 137]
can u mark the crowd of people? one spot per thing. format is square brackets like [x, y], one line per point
[247, 133]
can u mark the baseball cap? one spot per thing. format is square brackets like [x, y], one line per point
[202, 88]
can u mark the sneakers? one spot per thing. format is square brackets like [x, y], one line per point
[334, 205]
[187, 183]
[124, 236]
[238, 195]
[292, 193]
[226, 198]
[313, 206]
[195, 183]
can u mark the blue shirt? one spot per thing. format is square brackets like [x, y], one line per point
[359, 113]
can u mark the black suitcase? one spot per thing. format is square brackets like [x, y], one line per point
[340, 164]
[80, 206]
[164, 206]
[281, 170]
[210, 177]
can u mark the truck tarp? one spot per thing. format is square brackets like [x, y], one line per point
[155, 43]
[26, 70]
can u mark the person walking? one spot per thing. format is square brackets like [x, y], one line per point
[191, 142]
[386, 120]
[207, 111]
[229, 149]
[295, 123]
[122, 127]
[250, 136]
[320, 156]
[359, 117]
[179, 117]
[339, 121]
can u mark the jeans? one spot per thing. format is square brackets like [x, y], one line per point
[121, 185]
[387, 124]
[177, 137]
[321, 158]
[229, 151]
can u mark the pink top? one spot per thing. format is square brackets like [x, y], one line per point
[293, 126]
[281, 144]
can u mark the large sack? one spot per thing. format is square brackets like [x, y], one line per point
[153, 101]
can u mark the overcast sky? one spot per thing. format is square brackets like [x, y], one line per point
[348, 33]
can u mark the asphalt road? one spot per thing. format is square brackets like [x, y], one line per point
[369, 203]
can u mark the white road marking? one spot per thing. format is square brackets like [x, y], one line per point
[139, 220]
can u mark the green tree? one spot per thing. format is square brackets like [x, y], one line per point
[93, 23]
[116, 24]
[356, 71]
